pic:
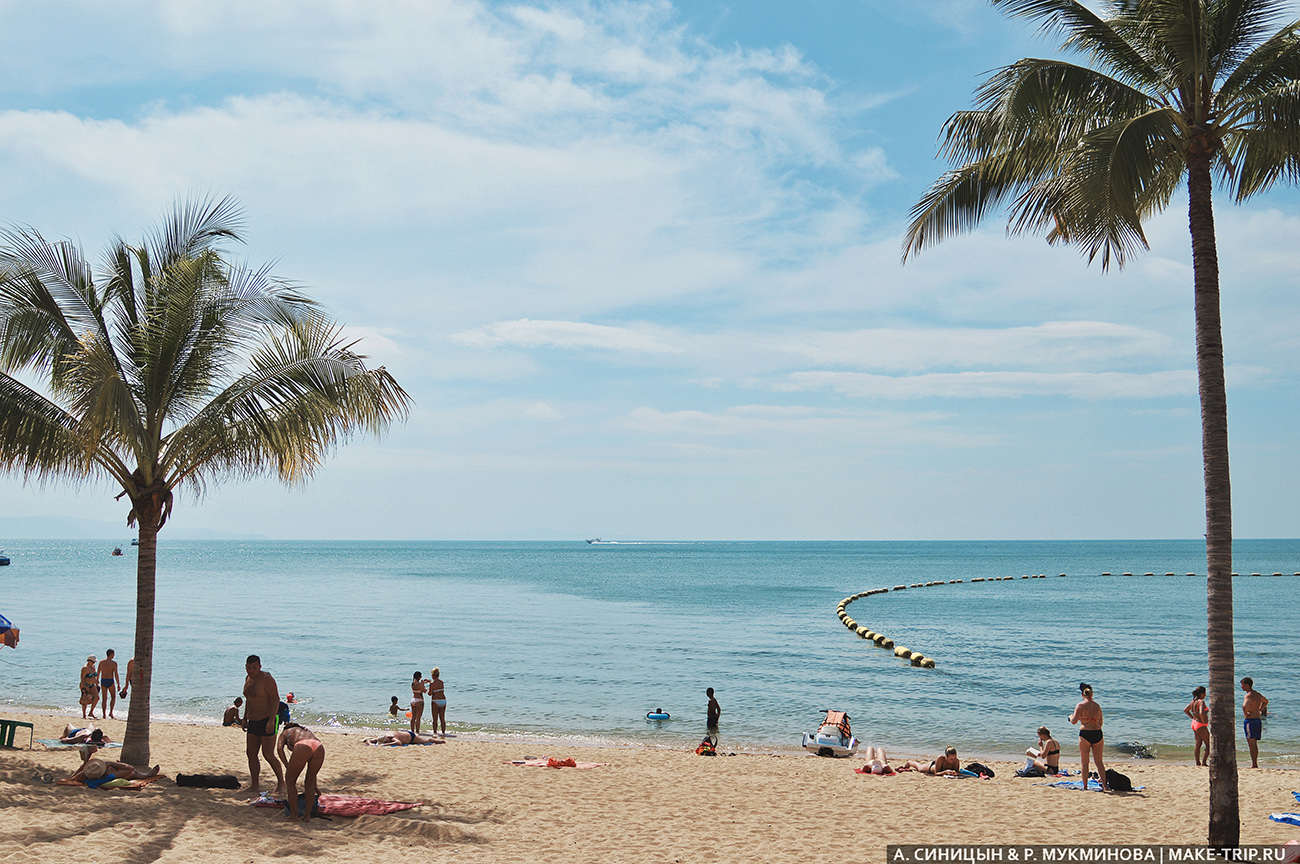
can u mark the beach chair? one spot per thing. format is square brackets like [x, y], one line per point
[9, 727]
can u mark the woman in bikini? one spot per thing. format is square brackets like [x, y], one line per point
[399, 738]
[89, 688]
[1046, 757]
[305, 750]
[1199, 713]
[417, 702]
[438, 699]
[1087, 714]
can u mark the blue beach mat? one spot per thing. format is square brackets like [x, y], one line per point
[1296, 795]
[1288, 818]
[1093, 785]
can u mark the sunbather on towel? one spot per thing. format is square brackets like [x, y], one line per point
[877, 761]
[400, 738]
[947, 765]
[86, 735]
[96, 769]
[1044, 759]
[307, 751]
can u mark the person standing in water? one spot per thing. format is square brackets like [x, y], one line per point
[1199, 713]
[89, 688]
[1087, 714]
[109, 681]
[417, 702]
[712, 714]
[437, 702]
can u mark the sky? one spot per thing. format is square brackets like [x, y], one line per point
[638, 265]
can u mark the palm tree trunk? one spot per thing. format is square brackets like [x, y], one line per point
[135, 744]
[1225, 828]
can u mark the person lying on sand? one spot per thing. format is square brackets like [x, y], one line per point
[946, 765]
[86, 735]
[400, 738]
[877, 761]
[95, 769]
[307, 751]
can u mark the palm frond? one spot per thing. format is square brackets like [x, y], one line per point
[1265, 145]
[1089, 34]
[38, 439]
[1238, 26]
[1274, 62]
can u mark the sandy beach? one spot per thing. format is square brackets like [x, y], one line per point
[644, 805]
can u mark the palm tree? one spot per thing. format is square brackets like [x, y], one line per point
[170, 366]
[1085, 152]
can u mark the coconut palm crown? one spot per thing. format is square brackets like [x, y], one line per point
[1084, 152]
[170, 366]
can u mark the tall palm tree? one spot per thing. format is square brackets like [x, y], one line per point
[1085, 152]
[170, 366]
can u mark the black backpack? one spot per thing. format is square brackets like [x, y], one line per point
[1117, 782]
[977, 768]
[208, 781]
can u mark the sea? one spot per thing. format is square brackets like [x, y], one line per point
[578, 641]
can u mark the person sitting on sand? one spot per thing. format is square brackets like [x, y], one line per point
[877, 762]
[1199, 713]
[231, 717]
[946, 765]
[1088, 715]
[393, 708]
[400, 738]
[1045, 759]
[304, 750]
[97, 769]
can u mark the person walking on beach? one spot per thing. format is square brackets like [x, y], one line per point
[130, 677]
[262, 698]
[712, 714]
[417, 702]
[1087, 714]
[1255, 708]
[1199, 713]
[437, 703]
[305, 751]
[108, 683]
[89, 683]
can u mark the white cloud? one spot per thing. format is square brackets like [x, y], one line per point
[570, 334]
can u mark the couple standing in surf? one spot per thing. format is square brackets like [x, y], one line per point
[433, 685]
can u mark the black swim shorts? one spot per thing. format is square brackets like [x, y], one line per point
[263, 728]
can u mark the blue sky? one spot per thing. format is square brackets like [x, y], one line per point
[638, 264]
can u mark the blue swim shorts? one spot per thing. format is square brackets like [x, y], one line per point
[1254, 727]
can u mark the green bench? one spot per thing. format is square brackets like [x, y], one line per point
[9, 727]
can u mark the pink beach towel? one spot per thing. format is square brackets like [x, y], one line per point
[348, 805]
[555, 763]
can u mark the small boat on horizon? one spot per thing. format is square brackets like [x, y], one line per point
[117, 551]
[135, 541]
[4, 559]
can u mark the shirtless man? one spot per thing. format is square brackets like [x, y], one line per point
[108, 683]
[712, 713]
[946, 765]
[231, 717]
[305, 750]
[94, 769]
[263, 700]
[130, 677]
[1254, 707]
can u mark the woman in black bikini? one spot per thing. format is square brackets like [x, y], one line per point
[1088, 715]
[1046, 757]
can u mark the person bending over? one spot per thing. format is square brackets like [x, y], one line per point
[304, 750]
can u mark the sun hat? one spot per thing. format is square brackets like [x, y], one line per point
[94, 769]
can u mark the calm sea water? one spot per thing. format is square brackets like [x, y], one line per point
[579, 640]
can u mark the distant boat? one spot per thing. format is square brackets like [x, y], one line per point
[135, 542]
[4, 559]
[117, 551]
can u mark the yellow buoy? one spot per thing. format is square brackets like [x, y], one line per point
[888, 643]
[928, 663]
[900, 587]
[879, 639]
[900, 651]
[917, 659]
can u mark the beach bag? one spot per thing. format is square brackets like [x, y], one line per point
[208, 781]
[977, 768]
[282, 713]
[706, 748]
[1117, 782]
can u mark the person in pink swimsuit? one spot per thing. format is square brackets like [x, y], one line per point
[1199, 713]
[305, 751]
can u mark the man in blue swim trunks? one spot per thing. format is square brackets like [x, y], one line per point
[109, 682]
[1254, 707]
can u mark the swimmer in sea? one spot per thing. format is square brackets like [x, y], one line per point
[304, 750]
[394, 707]
[1087, 714]
[1200, 717]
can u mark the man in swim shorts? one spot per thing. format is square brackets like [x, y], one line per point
[1254, 707]
[263, 699]
[130, 677]
[109, 682]
[712, 714]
